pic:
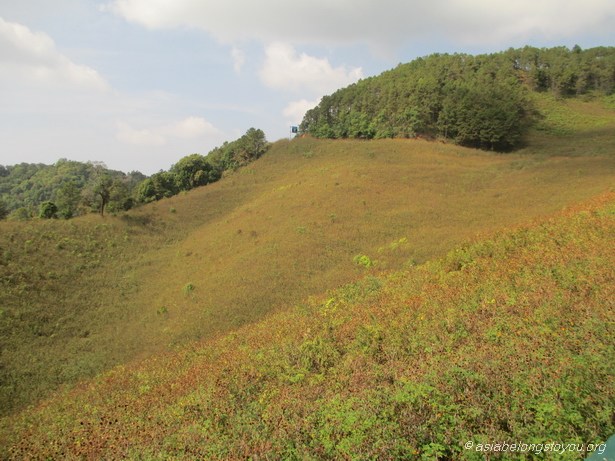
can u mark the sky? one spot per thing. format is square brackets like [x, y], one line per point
[138, 84]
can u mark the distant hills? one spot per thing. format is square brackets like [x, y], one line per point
[70, 188]
[69, 185]
[483, 101]
[478, 101]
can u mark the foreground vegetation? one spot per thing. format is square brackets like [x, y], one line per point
[508, 339]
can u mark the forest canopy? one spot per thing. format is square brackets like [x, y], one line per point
[63, 190]
[479, 101]
[70, 188]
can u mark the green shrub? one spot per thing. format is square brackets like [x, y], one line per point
[363, 260]
[48, 210]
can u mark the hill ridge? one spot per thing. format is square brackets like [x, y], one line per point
[377, 367]
[482, 101]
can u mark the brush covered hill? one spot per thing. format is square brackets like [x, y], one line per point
[507, 339]
[81, 296]
[481, 101]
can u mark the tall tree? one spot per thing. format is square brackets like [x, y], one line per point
[4, 209]
[250, 146]
[193, 171]
[68, 197]
[100, 187]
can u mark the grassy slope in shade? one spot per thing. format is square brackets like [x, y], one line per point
[81, 296]
[508, 339]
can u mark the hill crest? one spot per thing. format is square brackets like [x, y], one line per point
[481, 101]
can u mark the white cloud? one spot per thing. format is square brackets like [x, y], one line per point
[239, 59]
[382, 23]
[474, 21]
[285, 69]
[295, 110]
[32, 56]
[186, 129]
[151, 13]
[191, 127]
[138, 137]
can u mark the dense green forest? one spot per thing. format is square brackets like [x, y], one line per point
[70, 188]
[478, 101]
[65, 189]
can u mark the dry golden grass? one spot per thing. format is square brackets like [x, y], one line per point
[288, 226]
[507, 340]
[311, 206]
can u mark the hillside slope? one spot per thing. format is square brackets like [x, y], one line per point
[509, 339]
[79, 297]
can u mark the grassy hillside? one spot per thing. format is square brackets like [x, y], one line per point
[508, 339]
[573, 127]
[79, 297]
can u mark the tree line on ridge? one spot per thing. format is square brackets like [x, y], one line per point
[71, 188]
[479, 101]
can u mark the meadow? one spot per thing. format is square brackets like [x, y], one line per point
[505, 340]
[217, 310]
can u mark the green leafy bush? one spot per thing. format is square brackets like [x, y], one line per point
[48, 210]
[363, 260]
